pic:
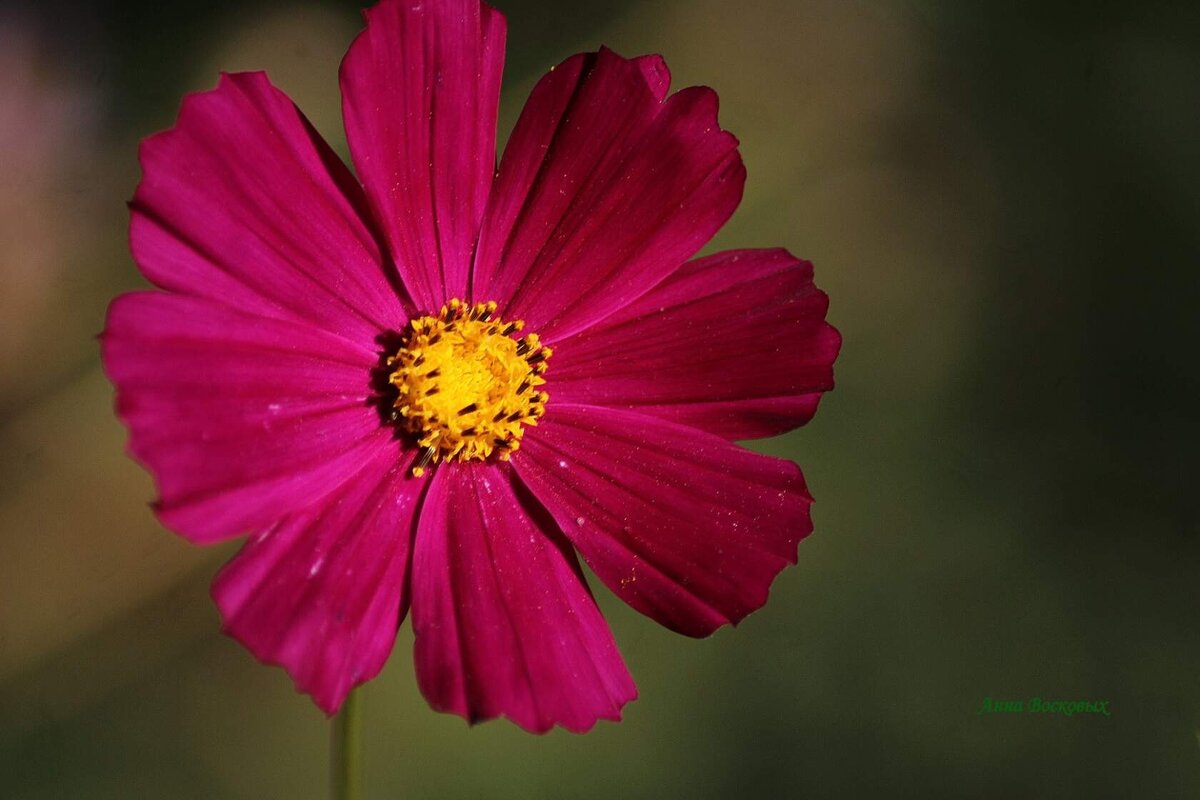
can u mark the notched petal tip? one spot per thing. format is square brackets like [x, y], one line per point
[657, 74]
[226, 81]
[543, 727]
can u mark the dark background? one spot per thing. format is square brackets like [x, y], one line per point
[1002, 200]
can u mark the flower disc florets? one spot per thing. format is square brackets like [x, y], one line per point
[465, 387]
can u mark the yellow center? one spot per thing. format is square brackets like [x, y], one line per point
[465, 387]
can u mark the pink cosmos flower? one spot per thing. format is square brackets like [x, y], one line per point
[427, 388]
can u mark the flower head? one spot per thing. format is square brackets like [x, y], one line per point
[427, 388]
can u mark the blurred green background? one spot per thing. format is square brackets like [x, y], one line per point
[1002, 200]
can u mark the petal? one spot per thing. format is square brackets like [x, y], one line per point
[735, 344]
[504, 622]
[602, 192]
[420, 90]
[685, 527]
[243, 203]
[240, 419]
[657, 74]
[322, 593]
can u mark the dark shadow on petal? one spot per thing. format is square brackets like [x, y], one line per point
[383, 394]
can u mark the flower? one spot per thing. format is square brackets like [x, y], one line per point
[427, 391]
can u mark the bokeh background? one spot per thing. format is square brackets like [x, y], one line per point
[1003, 201]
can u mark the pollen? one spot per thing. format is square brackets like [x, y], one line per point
[466, 387]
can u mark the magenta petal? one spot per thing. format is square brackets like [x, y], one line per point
[322, 593]
[240, 419]
[504, 622]
[242, 203]
[420, 90]
[685, 527]
[657, 74]
[735, 344]
[602, 192]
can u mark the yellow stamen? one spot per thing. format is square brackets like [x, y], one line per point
[465, 387]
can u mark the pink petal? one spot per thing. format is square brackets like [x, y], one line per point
[684, 526]
[503, 619]
[735, 344]
[240, 419]
[322, 593]
[657, 74]
[602, 192]
[243, 203]
[420, 89]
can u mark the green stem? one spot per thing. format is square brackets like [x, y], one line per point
[345, 768]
